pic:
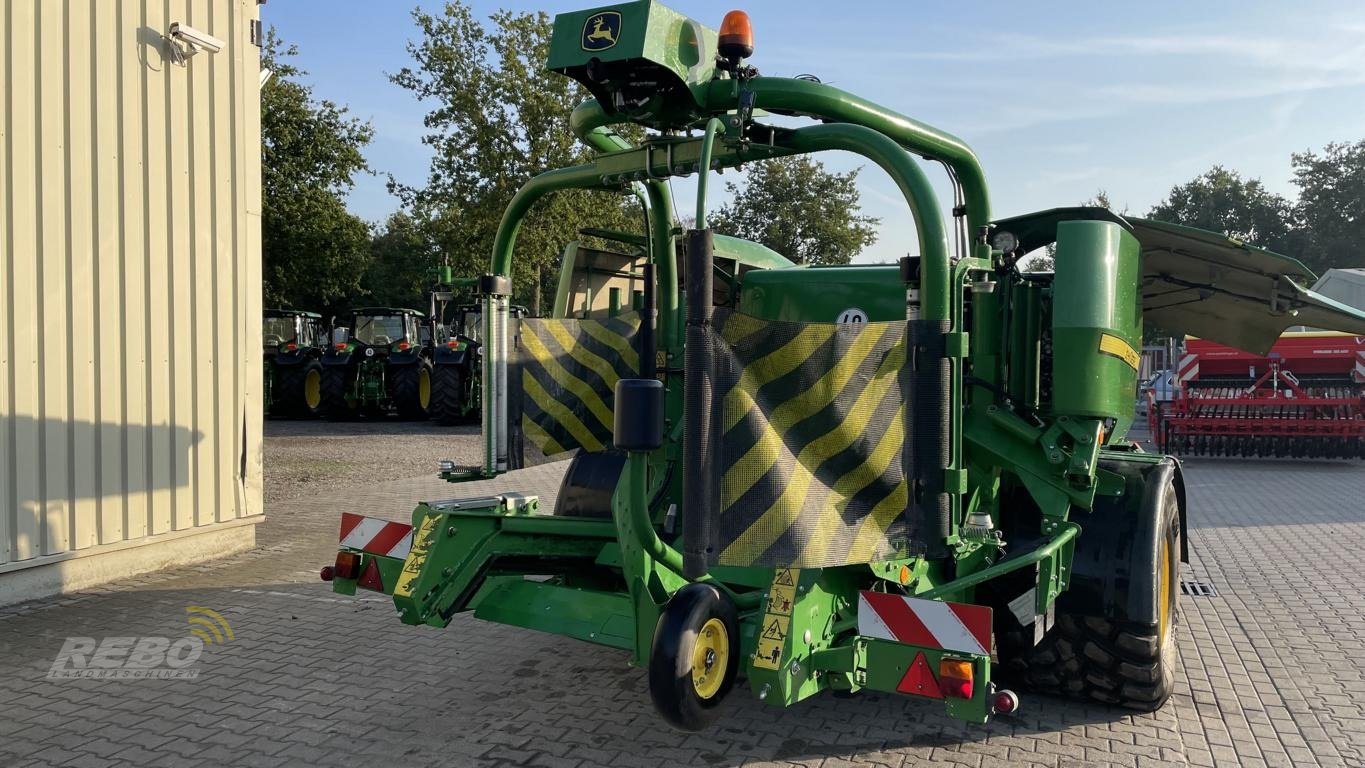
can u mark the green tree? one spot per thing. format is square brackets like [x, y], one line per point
[497, 119]
[1331, 205]
[1220, 200]
[401, 265]
[797, 208]
[313, 250]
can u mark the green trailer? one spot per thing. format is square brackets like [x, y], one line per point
[292, 342]
[378, 363]
[912, 478]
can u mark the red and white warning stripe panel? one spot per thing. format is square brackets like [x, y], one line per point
[1359, 373]
[378, 537]
[925, 623]
[1188, 369]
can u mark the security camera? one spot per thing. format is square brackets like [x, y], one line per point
[196, 40]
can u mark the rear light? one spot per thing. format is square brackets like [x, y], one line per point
[347, 565]
[340, 345]
[454, 344]
[955, 678]
[328, 573]
[291, 346]
[403, 346]
[1005, 702]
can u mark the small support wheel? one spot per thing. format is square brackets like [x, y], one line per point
[695, 657]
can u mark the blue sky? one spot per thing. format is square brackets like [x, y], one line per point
[1059, 99]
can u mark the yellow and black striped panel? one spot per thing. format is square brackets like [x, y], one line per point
[569, 370]
[810, 426]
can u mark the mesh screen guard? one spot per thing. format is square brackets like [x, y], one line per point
[810, 445]
[568, 370]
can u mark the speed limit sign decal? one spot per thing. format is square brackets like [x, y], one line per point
[852, 315]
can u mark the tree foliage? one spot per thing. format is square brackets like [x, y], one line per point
[1221, 200]
[314, 251]
[1331, 205]
[497, 119]
[797, 208]
[402, 265]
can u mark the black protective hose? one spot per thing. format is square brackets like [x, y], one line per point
[929, 427]
[699, 482]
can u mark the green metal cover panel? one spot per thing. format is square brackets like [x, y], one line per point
[644, 31]
[1096, 320]
[1207, 284]
[824, 294]
[749, 254]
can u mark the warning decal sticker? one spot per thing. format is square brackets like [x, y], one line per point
[772, 639]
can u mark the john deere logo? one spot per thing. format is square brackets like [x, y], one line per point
[600, 31]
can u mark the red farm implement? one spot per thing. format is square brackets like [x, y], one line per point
[1305, 398]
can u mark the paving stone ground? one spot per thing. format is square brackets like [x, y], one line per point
[1271, 670]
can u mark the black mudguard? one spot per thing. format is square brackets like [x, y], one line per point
[448, 356]
[1120, 540]
[589, 483]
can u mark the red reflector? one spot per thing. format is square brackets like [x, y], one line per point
[919, 679]
[955, 678]
[347, 565]
[370, 578]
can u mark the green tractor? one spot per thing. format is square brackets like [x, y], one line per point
[379, 364]
[907, 478]
[292, 342]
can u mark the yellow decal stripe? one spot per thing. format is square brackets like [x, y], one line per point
[560, 375]
[583, 355]
[614, 340]
[759, 460]
[417, 556]
[539, 437]
[787, 509]
[771, 367]
[1113, 345]
[559, 412]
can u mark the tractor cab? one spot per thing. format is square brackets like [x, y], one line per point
[382, 329]
[289, 330]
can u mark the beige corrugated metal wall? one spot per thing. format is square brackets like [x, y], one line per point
[129, 276]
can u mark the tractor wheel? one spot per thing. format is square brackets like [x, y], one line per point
[695, 657]
[412, 390]
[299, 394]
[1115, 662]
[335, 382]
[447, 395]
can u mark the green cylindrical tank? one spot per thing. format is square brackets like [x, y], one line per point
[1096, 320]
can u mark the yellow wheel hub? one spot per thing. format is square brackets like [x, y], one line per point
[1165, 588]
[710, 658]
[312, 389]
[424, 387]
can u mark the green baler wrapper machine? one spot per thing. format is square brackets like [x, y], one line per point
[911, 478]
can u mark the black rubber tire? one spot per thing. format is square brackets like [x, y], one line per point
[1090, 657]
[407, 390]
[335, 382]
[670, 659]
[447, 395]
[290, 397]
